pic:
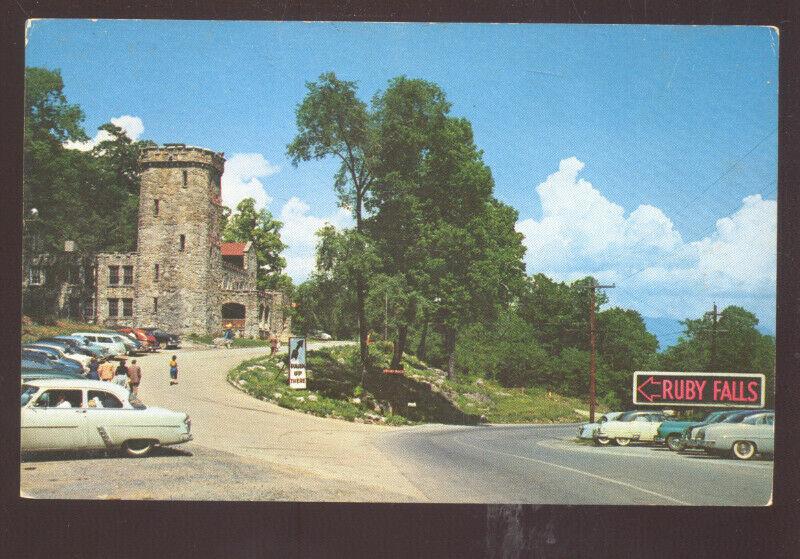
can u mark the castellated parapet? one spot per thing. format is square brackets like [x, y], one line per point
[180, 282]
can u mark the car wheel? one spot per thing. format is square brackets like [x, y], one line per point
[674, 442]
[622, 441]
[744, 450]
[137, 448]
[602, 441]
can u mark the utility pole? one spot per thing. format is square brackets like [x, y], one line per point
[386, 316]
[592, 363]
[714, 316]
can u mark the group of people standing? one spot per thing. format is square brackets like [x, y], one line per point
[128, 376]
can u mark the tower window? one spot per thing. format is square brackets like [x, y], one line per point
[113, 275]
[155, 305]
[113, 307]
[127, 307]
[155, 273]
[36, 275]
[127, 275]
[182, 242]
[155, 208]
[185, 179]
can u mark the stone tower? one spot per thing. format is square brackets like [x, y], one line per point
[179, 265]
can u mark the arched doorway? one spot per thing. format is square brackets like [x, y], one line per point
[233, 314]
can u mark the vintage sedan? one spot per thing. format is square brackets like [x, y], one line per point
[743, 440]
[690, 434]
[639, 426]
[587, 430]
[671, 432]
[66, 414]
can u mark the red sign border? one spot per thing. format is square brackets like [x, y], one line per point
[637, 374]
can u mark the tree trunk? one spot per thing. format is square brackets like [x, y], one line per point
[362, 328]
[450, 350]
[422, 341]
[399, 346]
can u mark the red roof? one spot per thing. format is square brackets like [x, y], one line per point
[232, 249]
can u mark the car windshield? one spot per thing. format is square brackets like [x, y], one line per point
[26, 393]
[737, 418]
[630, 416]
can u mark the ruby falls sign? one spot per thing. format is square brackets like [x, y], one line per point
[706, 390]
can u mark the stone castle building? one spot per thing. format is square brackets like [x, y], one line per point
[181, 278]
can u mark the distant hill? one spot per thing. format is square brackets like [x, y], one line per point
[668, 330]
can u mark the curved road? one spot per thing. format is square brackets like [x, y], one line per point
[247, 449]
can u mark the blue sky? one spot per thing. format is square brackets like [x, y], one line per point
[624, 148]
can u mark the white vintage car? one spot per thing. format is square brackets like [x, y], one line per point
[79, 414]
[639, 426]
[754, 434]
[587, 430]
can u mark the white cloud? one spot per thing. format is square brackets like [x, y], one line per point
[132, 125]
[241, 179]
[298, 233]
[583, 233]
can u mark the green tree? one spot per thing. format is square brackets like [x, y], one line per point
[247, 224]
[333, 122]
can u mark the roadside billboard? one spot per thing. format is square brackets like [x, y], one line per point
[706, 390]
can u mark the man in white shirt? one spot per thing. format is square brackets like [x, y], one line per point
[62, 403]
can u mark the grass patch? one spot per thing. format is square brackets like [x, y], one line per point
[32, 331]
[335, 390]
[237, 342]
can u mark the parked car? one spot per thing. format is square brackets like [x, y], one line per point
[742, 440]
[114, 348]
[671, 432]
[148, 342]
[692, 440]
[320, 335]
[69, 348]
[97, 350]
[586, 431]
[131, 346]
[169, 341]
[631, 426]
[98, 415]
[36, 361]
[54, 356]
[63, 353]
[35, 373]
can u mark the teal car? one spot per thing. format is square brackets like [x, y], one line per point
[671, 433]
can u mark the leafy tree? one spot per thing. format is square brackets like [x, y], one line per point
[740, 347]
[247, 224]
[332, 121]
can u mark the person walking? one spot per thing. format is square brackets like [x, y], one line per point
[93, 365]
[106, 370]
[273, 344]
[173, 370]
[134, 377]
[228, 336]
[121, 375]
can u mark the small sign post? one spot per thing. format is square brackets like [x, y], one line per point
[297, 363]
[702, 390]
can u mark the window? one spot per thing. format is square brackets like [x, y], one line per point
[155, 208]
[182, 242]
[113, 275]
[73, 275]
[57, 399]
[155, 273]
[104, 339]
[100, 399]
[185, 179]
[127, 275]
[155, 304]
[127, 307]
[36, 275]
[113, 307]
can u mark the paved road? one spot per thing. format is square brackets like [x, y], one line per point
[246, 449]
